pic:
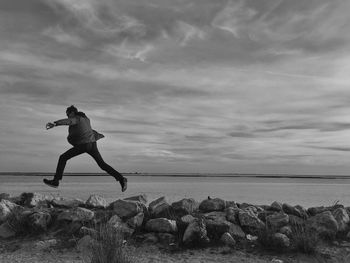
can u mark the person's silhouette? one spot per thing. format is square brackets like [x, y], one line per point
[83, 138]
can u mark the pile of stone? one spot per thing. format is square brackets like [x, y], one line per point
[186, 222]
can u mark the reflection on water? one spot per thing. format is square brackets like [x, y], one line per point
[304, 191]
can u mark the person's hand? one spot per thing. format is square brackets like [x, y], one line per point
[50, 125]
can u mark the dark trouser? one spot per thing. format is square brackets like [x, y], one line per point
[90, 148]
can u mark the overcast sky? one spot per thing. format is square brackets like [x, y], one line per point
[250, 86]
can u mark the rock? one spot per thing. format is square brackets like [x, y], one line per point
[39, 221]
[316, 210]
[6, 207]
[216, 224]
[276, 206]
[6, 231]
[126, 209]
[236, 232]
[278, 220]
[67, 203]
[136, 221]
[250, 222]
[211, 205]
[160, 208]
[76, 214]
[166, 238]
[232, 204]
[274, 260]
[196, 234]
[138, 198]
[33, 199]
[96, 201]
[185, 206]
[5, 196]
[280, 240]
[232, 214]
[187, 219]
[228, 240]
[292, 210]
[251, 238]
[263, 215]
[323, 224]
[162, 225]
[342, 218]
[286, 230]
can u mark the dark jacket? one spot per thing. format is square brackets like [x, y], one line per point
[80, 131]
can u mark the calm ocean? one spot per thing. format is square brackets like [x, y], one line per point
[303, 191]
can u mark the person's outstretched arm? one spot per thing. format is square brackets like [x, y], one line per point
[68, 121]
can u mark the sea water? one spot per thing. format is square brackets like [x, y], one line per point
[307, 192]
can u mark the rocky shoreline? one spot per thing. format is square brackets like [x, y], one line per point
[185, 224]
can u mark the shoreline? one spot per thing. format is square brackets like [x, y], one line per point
[204, 175]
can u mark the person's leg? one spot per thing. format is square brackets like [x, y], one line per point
[104, 166]
[62, 161]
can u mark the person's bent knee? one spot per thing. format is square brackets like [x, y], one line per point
[63, 158]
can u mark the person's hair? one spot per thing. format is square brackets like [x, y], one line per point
[72, 109]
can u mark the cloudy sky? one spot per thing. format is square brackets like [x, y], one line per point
[242, 86]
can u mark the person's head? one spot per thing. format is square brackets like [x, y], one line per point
[71, 111]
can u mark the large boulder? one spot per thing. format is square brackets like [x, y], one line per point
[276, 206]
[160, 208]
[236, 232]
[6, 231]
[250, 222]
[196, 234]
[39, 221]
[280, 240]
[66, 202]
[323, 224]
[6, 207]
[232, 215]
[136, 221]
[278, 220]
[216, 224]
[96, 201]
[187, 219]
[76, 214]
[210, 205]
[162, 225]
[5, 196]
[342, 218]
[138, 198]
[317, 210]
[126, 209]
[34, 199]
[185, 206]
[295, 210]
[228, 240]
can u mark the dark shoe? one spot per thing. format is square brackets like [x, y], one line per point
[124, 184]
[51, 183]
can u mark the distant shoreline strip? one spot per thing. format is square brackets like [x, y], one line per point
[281, 176]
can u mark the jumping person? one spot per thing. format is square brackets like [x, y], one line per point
[83, 138]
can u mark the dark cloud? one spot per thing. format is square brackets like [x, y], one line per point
[332, 148]
[241, 134]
